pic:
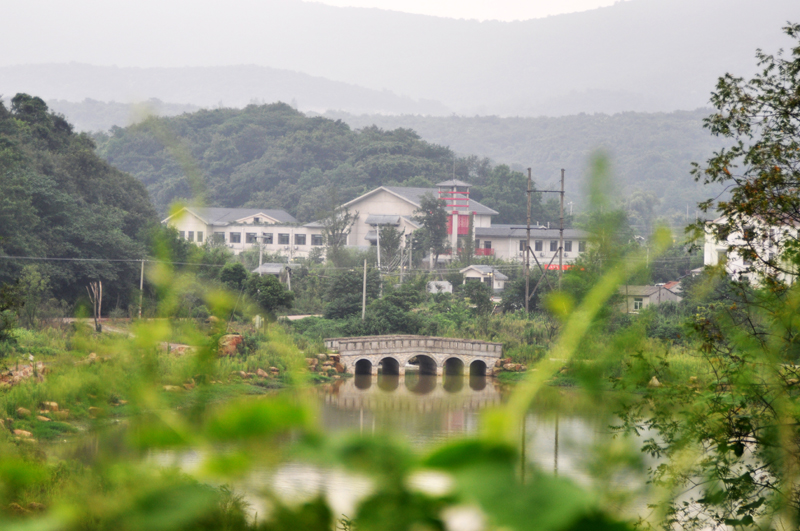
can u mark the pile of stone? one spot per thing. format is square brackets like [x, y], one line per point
[328, 364]
[15, 375]
[229, 345]
[507, 364]
[47, 412]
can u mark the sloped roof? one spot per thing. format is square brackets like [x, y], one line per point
[519, 231]
[226, 216]
[270, 269]
[382, 219]
[453, 182]
[640, 291]
[414, 196]
[486, 270]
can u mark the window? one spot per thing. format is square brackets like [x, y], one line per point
[236, 237]
[283, 239]
[487, 244]
[553, 246]
[256, 220]
[638, 303]
[316, 239]
[251, 237]
[267, 238]
[537, 245]
[581, 246]
[182, 235]
[219, 237]
[200, 236]
[568, 247]
[299, 239]
[190, 235]
[522, 245]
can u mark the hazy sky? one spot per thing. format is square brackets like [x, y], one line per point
[478, 9]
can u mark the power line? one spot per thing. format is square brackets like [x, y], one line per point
[121, 260]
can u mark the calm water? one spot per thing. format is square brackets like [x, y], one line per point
[427, 411]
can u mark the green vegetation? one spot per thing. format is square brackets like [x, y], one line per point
[273, 156]
[650, 153]
[708, 387]
[59, 199]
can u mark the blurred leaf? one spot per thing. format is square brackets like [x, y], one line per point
[255, 418]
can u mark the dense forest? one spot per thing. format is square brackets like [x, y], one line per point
[273, 156]
[60, 200]
[649, 152]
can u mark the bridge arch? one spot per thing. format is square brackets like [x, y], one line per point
[389, 366]
[453, 365]
[426, 363]
[362, 366]
[477, 368]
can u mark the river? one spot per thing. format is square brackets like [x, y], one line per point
[561, 435]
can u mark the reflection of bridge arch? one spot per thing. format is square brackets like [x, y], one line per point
[413, 392]
[402, 349]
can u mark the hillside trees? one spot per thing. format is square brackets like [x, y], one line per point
[60, 200]
[272, 156]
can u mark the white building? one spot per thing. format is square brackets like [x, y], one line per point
[637, 298]
[486, 274]
[240, 229]
[767, 243]
[507, 242]
[400, 202]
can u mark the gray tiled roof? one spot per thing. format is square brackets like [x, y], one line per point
[518, 231]
[640, 291]
[486, 270]
[453, 182]
[414, 195]
[382, 219]
[226, 216]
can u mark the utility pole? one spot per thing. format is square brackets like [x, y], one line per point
[364, 293]
[528, 249]
[141, 290]
[561, 235]
[378, 230]
[260, 252]
[402, 252]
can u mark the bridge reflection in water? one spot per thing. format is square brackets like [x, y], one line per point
[422, 407]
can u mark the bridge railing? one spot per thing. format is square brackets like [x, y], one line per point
[364, 344]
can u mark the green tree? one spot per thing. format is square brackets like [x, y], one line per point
[10, 305]
[233, 275]
[33, 286]
[762, 167]
[479, 294]
[268, 292]
[433, 217]
[391, 239]
[344, 292]
[741, 425]
[336, 226]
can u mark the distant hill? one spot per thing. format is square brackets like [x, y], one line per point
[648, 152]
[231, 86]
[637, 55]
[92, 115]
[272, 156]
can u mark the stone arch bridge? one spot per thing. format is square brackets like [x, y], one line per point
[430, 355]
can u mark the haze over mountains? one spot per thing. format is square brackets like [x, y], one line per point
[640, 55]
